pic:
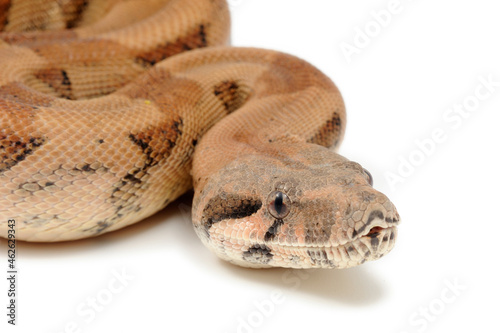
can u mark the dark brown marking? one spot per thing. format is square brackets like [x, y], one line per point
[73, 12]
[156, 144]
[328, 134]
[14, 149]
[231, 95]
[228, 206]
[58, 80]
[373, 215]
[258, 254]
[376, 214]
[273, 230]
[89, 169]
[194, 39]
[68, 57]
[354, 234]
[320, 258]
[4, 13]
[391, 220]
[99, 227]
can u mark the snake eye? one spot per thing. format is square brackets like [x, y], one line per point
[369, 175]
[278, 204]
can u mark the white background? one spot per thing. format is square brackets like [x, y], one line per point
[397, 89]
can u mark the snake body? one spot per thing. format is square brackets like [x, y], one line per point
[110, 110]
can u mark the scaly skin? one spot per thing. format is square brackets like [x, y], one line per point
[101, 126]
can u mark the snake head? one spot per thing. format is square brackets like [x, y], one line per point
[312, 208]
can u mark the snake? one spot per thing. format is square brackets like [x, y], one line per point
[112, 109]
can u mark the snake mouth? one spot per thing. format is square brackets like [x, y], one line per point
[377, 242]
[374, 232]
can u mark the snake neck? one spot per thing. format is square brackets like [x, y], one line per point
[274, 104]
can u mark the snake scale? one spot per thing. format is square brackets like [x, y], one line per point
[111, 109]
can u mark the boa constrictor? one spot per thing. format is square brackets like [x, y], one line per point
[102, 124]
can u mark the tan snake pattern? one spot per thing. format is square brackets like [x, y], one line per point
[103, 123]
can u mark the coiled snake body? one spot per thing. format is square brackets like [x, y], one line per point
[102, 124]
